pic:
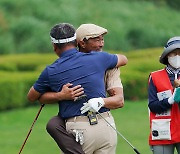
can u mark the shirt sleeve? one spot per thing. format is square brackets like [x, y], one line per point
[42, 85]
[155, 105]
[109, 61]
[112, 79]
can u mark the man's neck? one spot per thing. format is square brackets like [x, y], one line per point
[65, 48]
[83, 50]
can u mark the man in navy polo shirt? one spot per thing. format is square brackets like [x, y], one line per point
[79, 69]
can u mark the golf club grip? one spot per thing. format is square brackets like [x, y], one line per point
[136, 151]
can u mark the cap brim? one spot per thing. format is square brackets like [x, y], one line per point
[167, 50]
[95, 35]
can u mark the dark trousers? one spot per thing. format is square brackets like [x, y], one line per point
[66, 141]
[166, 149]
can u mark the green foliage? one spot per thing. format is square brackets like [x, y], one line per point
[174, 4]
[133, 24]
[25, 29]
[14, 87]
[25, 62]
[135, 75]
[18, 73]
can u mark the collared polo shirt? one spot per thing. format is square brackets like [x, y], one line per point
[85, 69]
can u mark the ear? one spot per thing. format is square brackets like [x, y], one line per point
[82, 44]
[54, 47]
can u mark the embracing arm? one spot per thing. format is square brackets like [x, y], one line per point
[115, 90]
[115, 99]
[33, 95]
[122, 60]
[66, 93]
[113, 102]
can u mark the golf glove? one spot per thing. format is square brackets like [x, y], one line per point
[171, 99]
[79, 136]
[93, 105]
[177, 95]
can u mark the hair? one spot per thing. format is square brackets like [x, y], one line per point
[63, 31]
[166, 60]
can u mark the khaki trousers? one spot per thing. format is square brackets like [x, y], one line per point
[99, 138]
[66, 141]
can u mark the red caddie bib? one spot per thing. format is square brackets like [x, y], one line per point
[165, 127]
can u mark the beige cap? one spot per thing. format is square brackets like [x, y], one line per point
[89, 31]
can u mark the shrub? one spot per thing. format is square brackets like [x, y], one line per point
[6, 45]
[135, 85]
[25, 62]
[14, 89]
[31, 35]
[135, 75]
[18, 73]
[174, 4]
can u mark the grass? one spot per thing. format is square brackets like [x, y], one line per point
[131, 121]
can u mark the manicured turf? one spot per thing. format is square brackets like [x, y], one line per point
[132, 122]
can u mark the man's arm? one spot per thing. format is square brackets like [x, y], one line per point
[67, 93]
[33, 95]
[113, 102]
[122, 60]
[115, 99]
[114, 88]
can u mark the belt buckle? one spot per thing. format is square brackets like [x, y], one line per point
[92, 118]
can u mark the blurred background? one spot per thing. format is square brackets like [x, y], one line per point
[137, 28]
[132, 24]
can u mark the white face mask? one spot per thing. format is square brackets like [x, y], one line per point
[174, 61]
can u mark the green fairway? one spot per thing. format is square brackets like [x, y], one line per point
[131, 121]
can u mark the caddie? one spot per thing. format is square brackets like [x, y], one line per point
[164, 98]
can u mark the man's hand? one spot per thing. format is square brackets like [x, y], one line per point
[71, 93]
[93, 105]
[66, 93]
